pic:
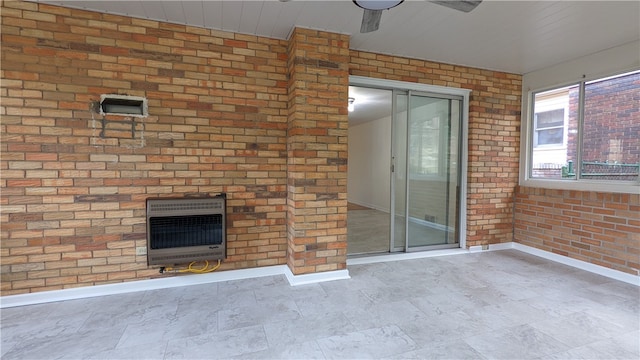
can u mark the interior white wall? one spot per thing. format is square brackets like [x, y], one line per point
[615, 60]
[368, 178]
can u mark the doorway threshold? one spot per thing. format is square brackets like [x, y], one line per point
[384, 257]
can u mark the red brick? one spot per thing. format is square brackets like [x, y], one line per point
[593, 239]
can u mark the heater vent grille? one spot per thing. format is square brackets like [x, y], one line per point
[174, 206]
[181, 230]
[171, 259]
[123, 105]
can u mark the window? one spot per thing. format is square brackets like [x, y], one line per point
[589, 131]
[554, 123]
[549, 128]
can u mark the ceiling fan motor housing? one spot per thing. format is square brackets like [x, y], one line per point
[377, 4]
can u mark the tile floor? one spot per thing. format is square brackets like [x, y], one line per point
[368, 232]
[495, 305]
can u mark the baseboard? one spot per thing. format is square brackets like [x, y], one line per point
[138, 285]
[294, 280]
[370, 206]
[304, 279]
[490, 247]
[430, 224]
[583, 265]
[579, 264]
[169, 282]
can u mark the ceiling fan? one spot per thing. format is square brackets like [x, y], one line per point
[373, 10]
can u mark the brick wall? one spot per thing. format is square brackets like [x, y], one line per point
[224, 117]
[572, 126]
[73, 202]
[494, 134]
[317, 151]
[599, 228]
[612, 122]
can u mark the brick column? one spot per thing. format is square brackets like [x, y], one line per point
[317, 151]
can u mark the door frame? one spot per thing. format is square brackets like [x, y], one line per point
[443, 90]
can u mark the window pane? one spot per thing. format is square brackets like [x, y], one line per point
[550, 118]
[554, 135]
[611, 140]
[427, 124]
[550, 136]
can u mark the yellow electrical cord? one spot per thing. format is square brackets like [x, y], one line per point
[205, 269]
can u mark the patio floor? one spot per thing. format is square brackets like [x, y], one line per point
[496, 305]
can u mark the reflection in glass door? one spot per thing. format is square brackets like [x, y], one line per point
[425, 171]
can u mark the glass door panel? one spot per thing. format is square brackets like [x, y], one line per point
[425, 171]
[368, 174]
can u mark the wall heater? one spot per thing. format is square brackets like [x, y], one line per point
[182, 230]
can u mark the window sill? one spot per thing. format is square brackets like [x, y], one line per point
[584, 185]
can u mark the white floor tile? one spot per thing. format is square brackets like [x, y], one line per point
[503, 304]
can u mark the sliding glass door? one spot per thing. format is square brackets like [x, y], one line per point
[426, 151]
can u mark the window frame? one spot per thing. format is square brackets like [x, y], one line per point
[528, 146]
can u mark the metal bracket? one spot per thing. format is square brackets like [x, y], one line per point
[105, 122]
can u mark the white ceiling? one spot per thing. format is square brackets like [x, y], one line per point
[511, 36]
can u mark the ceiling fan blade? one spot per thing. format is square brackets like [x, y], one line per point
[460, 5]
[370, 20]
